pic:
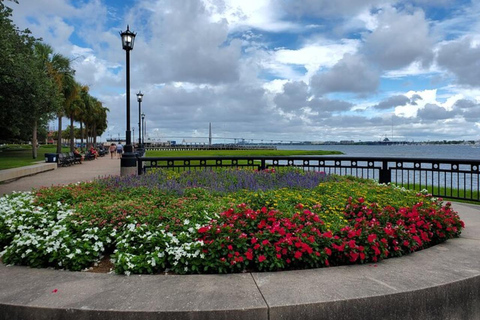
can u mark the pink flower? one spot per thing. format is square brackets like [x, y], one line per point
[261, 258]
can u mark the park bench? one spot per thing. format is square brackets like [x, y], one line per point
[77, 158]
[89, 156]
[102, 152]
[64, 159]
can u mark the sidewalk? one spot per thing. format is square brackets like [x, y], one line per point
[87, 171]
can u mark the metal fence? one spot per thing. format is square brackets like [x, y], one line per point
[449, 178]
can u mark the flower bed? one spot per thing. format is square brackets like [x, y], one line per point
[220, 221]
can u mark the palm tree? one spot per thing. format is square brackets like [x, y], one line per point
[58, 67]
[85, 113]
[72, 105]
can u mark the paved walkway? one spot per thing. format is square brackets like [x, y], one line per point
[87, 171]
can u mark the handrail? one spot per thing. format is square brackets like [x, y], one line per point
[452, 178]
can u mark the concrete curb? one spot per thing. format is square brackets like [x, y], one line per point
[16, 173]
[442, 282]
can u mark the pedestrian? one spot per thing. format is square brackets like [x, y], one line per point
[113, 150]
[93, 152]
[119, 150]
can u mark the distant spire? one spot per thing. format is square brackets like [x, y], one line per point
[210, 134]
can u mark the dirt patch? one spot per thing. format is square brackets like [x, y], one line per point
[104, 266]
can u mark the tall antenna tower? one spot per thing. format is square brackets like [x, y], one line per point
[210, 134]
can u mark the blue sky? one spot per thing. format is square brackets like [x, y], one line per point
[313, 70]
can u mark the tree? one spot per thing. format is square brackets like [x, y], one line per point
[59, 69]
[47, 99]
[15, 52]
[72, 105]
[27, 95]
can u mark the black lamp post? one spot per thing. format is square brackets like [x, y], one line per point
[128, 162]
[139, 99]
[143, 127]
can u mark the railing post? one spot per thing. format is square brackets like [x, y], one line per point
[139, 166]
[385, 173]
[262, 165]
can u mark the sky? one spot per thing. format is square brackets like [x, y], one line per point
[275, 70]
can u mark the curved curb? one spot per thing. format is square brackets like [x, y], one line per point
[442, 282]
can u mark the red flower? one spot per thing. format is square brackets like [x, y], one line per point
[265, 242]
[328, 234]
[230, 247]
[54, 290]
[261, 258]
[353, 256]
[254, 240]
[249, 255]
[298, 254]
[328, 251]
[203, 229]
[371, 237]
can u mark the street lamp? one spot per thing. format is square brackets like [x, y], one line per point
[139, 99]
[128, 162]
[143, 127]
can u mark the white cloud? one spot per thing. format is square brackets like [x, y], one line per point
[241, 14]
[290, 69]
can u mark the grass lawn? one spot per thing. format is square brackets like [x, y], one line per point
[20, 156]
[469, 196]
[219, 153]
[234, 153]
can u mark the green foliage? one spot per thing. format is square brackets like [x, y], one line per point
[14, 156]
[203, 230]
[36, 85]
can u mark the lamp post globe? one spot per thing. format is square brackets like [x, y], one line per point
[128, 162]
[139, 99]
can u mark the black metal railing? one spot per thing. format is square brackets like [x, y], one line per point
[448, 178]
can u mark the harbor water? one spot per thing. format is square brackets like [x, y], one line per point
[403, 151]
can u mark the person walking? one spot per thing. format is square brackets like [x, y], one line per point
[113, 150]
[119, 150]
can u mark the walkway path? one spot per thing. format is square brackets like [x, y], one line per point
[87, 171]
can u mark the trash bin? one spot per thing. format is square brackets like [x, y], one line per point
[50, 157]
